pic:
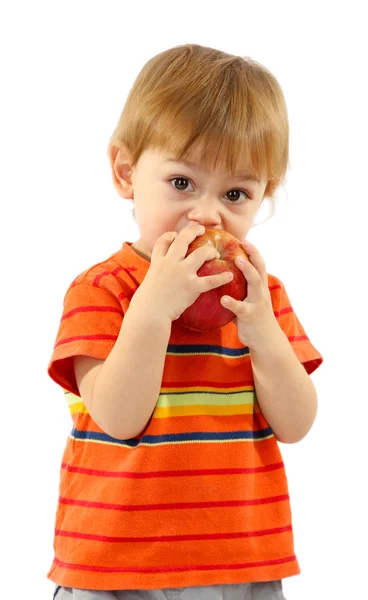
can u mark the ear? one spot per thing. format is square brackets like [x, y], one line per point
[122, 170]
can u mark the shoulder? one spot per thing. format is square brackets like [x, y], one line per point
[110, 269]
[112, 276]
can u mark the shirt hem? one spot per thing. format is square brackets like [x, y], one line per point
[149, 581]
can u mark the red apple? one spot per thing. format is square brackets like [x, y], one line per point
[207, 311]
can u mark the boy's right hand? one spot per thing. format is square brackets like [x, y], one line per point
[171, 283]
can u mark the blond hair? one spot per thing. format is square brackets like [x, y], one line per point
[230, 108]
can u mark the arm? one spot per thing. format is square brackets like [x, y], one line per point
[122, 391]
[285, 392]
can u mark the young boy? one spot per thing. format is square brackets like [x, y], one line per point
[172, 482]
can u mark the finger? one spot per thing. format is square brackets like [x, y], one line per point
[253, 278]
[238, 307]
[184, 238]
[200, 255]
[162, 245]
[256, 260]
[210, 282]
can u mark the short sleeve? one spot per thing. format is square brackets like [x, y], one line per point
[291, 326]
[90, 324]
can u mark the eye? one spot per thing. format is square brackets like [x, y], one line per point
[181, 183]
[236, 196]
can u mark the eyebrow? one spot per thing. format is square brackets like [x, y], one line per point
[243, 176]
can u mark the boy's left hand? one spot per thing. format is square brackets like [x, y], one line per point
[255, 318]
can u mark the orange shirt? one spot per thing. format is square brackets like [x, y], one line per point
[200, 497]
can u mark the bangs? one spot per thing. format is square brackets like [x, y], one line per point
[215, 144]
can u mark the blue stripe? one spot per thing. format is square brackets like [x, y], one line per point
[56, 591]
[206, 349]
[174, 437]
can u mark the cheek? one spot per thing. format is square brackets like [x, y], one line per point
[239, 228]
[155, 217]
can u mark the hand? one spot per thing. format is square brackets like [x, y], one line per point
[171, 283]
[255, 319]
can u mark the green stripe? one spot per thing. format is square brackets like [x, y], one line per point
[191, 398]
[72, 398]
[194, 398]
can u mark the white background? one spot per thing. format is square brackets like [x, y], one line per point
[66, 69]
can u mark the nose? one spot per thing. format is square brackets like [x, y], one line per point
[206, 212]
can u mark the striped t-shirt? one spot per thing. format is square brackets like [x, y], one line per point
[200, 497]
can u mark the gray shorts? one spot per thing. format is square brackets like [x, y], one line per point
[269, 590]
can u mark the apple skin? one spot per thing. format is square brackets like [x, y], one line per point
[207, 312]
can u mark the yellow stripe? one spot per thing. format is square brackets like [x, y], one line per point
[186, 411]
[78, 407]
[75, 403]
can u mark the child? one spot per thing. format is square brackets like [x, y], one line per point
[172, 482]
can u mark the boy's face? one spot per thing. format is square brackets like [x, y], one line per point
[168, 195]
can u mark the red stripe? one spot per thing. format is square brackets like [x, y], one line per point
[173, 538]
[184, 473]
[91, 309]
[283, 311]
[173, 569]
[98, 278]
[117, 270]
[173, 506]
[122, 296]
[98, 336]
[277, 286]
[217, 384]
[297, 338]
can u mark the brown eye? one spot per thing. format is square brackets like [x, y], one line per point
[182, 182]
[234, 196]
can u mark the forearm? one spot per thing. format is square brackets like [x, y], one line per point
[128, 385]
[285, 392]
